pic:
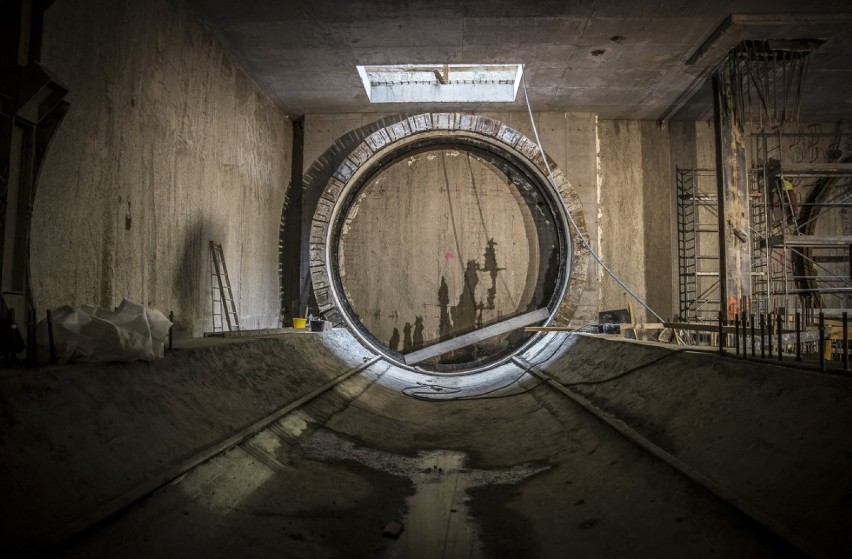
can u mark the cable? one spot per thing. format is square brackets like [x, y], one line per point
[623, 374]
[583, 239]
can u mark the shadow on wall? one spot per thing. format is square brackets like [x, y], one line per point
[313, 183]
[192, 282]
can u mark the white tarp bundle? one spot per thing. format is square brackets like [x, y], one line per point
[131, 332]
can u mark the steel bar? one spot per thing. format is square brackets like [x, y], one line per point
[752, 335]
[476, 336]
[762, 337]
[737, 335]
[845, 341]
[769, 333]
[798, 336]
[721, 334]
[780, 322]
[821, 341]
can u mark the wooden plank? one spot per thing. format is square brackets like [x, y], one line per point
[550, 329]
[476, 336]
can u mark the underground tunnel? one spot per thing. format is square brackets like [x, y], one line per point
[143, 145]
[443, 235]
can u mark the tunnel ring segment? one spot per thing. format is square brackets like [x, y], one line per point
[408, 134]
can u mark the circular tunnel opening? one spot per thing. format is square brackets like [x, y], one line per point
[442, 238]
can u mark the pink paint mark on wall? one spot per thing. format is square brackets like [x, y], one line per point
[449, 255]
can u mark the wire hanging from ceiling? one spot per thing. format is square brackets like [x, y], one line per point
[577, 230]
[766, 83]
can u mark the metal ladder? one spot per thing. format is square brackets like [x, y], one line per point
[223, 297]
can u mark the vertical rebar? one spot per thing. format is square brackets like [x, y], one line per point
[745, 334]
[737, 335]
[798, 336]
[821, 341]
[752, 335]
[845, 341]
[769, 332]
[721, 334]
[762, 339]
[780, 322]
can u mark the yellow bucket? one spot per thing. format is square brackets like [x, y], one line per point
[300, 323]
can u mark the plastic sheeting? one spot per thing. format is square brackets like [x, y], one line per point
[93, 335]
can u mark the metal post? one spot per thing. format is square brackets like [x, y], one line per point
[798, 336]
[732, 193]
[752, 335]
[845, 341]
[721, 334]
[722, 133]
[821, 341]
[780, 339]
[769, 334]
[762, 339]
[745, 334]
[737, 335]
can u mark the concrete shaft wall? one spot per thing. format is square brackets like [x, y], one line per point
[168, 145]
[622, 172]
[636, 215]
[569, 139]
[438, 242]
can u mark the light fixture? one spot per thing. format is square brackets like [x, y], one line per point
[442, 83]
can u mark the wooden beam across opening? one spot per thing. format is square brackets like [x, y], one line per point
[477, 336]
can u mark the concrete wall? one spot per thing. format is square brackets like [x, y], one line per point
[568, 138]
[439, 243]
[168, 145]
[623, 171]
[636, 215]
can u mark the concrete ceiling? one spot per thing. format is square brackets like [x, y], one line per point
[616, 58]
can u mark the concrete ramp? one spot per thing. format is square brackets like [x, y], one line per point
[775, 437]
[77, 440]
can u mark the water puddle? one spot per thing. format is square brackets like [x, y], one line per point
[438, 524]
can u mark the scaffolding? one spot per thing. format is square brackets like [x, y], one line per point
[799, 195]
[698, 250]
[801, 225]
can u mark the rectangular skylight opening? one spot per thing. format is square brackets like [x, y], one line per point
[442, 83]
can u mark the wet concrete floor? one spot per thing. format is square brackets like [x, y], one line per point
[522, 475]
